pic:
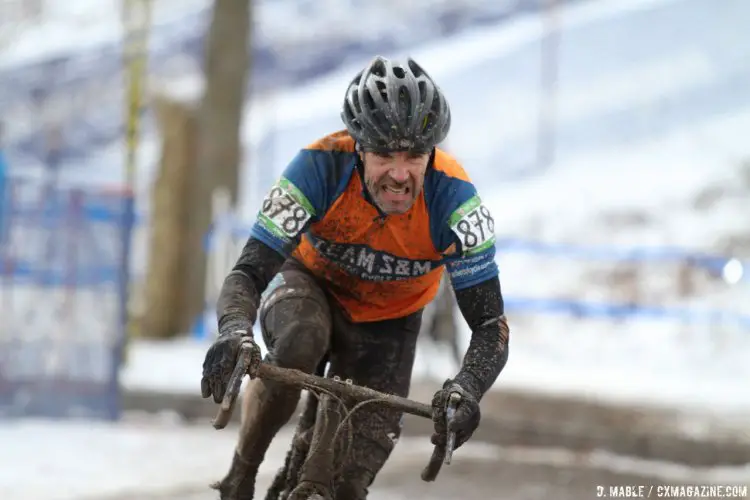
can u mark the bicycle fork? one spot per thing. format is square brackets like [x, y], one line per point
[316, 475]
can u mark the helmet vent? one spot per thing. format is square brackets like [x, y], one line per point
[378, 68]
[415, 68]
[382, 89]
[404, 100]
[355, 101]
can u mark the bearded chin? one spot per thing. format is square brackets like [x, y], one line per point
[374, 188]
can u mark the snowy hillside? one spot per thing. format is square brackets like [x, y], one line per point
[324, 29]
[692, 346]
[64, 67]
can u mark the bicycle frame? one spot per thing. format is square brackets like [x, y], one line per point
[317, 469]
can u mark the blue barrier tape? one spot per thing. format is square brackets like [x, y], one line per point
[712, 262]
[589, 310]
[610, 310]
[25, 273]
[612, 252]
[91, 213]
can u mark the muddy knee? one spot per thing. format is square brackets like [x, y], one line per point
[296, 321]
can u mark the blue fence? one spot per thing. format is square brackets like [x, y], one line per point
[62, 299]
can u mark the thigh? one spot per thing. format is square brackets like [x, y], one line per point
[379, 355]
[295, 318]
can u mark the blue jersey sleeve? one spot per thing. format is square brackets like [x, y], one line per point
[295, 201]
[463, 230]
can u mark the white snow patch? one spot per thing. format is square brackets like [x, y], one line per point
[80, 459]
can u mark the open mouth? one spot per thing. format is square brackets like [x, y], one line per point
[400, 190]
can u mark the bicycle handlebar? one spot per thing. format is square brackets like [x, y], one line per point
[300, 379]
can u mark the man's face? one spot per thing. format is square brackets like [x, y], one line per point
[395, 180]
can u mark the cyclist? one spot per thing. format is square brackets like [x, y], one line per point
[349, 246]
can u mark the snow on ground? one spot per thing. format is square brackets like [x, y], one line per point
[83, 459]
[173, 366]
[143, 458]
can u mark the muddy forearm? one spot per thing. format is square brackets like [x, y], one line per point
[240, 295]
[483, 309]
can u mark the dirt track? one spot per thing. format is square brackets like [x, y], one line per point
[488, 472]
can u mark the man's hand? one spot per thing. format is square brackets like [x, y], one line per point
[465, 421]
[220, 361]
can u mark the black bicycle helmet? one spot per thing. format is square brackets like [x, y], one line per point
[395, 107]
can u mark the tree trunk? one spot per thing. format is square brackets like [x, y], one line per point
[220, 118]
[170, 200]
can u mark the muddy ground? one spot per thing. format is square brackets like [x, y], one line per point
[483, 472]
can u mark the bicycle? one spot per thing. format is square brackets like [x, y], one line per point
[310, 474]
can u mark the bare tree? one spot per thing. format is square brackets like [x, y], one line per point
[220, 117]
[216, 142]
[226, 71]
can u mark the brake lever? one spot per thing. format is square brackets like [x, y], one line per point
[450, 413]
[246, 365]
[443, 454]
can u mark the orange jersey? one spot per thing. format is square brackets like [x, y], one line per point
[377, 266]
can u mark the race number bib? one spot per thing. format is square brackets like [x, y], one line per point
[285, 210]
[472, 222]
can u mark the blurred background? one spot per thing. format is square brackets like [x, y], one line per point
[609, 137]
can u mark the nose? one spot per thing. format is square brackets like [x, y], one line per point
[399, 174]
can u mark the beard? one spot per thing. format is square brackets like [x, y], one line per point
[392, 197]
